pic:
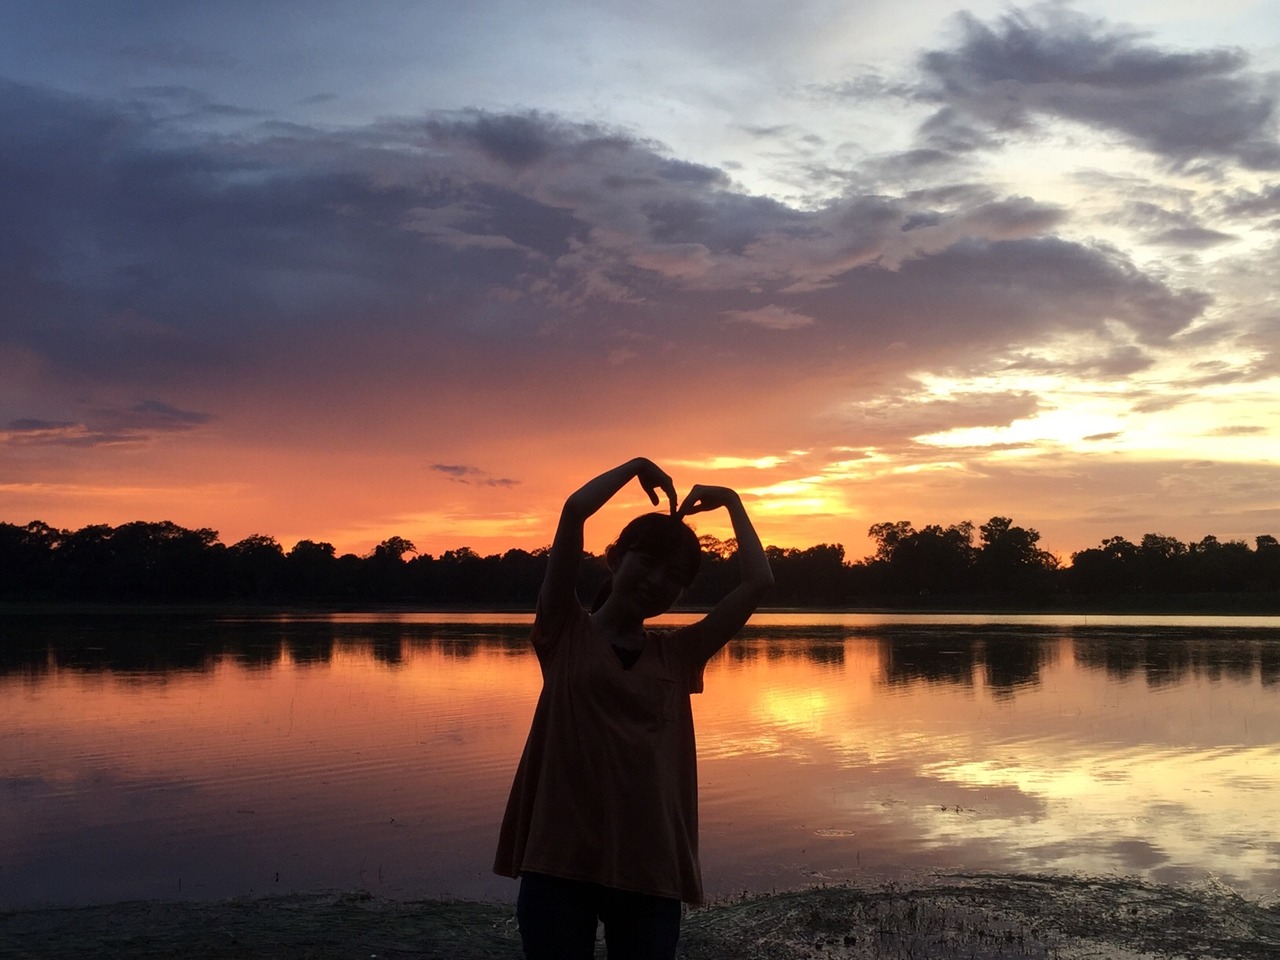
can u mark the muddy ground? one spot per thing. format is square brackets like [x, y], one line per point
[946, 917]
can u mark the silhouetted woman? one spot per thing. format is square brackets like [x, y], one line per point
[602, 821]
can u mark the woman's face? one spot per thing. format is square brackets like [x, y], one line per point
[649, 586]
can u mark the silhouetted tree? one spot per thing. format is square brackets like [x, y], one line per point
[715, 547]
[26, 557]
[815, 575]
[1105, 569]
[83, 563]
[311, 570]
[1160, 563]
[935, 559]
[1211, 566]
[258, 566]
[164, 561]
[1009, 560]
[394, 548]
[1267, 555]
[888, 536]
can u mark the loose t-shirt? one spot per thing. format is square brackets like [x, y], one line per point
[607, 787]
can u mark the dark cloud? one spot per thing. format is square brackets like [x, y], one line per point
[1193, 238]
[1111, 362]
[61, 433]
[1172, 228]
[186, 104]
[157, 415]
[1238, 430]
[1149, 401]
[461, 473]
[975, 294]
[456, 471]
[517, 141]
[908, 414]
[104, 426]
[1049, 62]
[1253, 204]
[1218, 374]
[29, 425]
[460, 245]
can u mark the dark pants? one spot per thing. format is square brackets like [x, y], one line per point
[558, 921]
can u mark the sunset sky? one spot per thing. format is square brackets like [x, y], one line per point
[345, 271]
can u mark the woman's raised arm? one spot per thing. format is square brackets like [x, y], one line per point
[730, 615]
[558, 585]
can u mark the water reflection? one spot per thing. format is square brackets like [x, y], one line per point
[154, 644]
[180, 756]
[1170, 658]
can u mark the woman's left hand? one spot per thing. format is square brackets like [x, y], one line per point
[702, 498]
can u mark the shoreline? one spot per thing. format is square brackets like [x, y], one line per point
[945, 916]
[1232, 605]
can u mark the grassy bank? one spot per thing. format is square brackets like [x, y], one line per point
[948, 917]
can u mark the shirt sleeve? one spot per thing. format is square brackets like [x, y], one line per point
[682, 645]
[548, 631]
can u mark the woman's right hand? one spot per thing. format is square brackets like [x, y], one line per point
[566, 549]
[703, 497]
[653, 478]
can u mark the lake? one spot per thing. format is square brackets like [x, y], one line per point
[169, 756]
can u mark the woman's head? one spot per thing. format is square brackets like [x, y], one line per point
[656, 554]
[664, 539]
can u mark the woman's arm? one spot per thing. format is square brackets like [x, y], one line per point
[729, 615]
[557, 592]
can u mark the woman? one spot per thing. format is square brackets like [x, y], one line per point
[602, 821]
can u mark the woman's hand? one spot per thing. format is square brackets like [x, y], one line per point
[728, 616]
[653, 478]
[558, 584]
[702, 498]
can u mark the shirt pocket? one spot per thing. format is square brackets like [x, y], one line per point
[659, 696]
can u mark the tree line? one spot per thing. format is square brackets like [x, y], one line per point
[996, 563]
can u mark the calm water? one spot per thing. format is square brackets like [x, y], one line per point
[192, 758]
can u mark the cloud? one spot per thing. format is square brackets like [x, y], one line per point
[771, 317]
[1172, 228]
[1102, 360]
[1253, 203]
[460, 473]
[465, 265]
[1238, 430]
[1032, 66]
[61, 433]
[138, 423]
[908, 414]
[186, 104]
[157, 415]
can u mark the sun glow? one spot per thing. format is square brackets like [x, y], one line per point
[731, 463]
[1175, 411]
[798, 496]
[1065, 427]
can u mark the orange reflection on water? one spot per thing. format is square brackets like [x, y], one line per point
[376, 752]
[855, 765]
[267, 778]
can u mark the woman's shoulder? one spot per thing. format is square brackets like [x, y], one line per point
[550, 626]
[677, 642]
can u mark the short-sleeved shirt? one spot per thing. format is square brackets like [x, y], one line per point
[607, 787]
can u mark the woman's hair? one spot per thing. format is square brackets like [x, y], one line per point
[661, 536]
